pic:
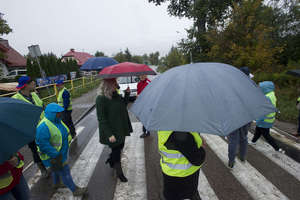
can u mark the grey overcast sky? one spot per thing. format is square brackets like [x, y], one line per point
[91, 25]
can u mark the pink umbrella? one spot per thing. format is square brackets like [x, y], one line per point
[126, 69]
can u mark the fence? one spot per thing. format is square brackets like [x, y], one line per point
[49, 92]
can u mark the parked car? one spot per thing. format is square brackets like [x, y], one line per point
[17, 72]
[130, 82]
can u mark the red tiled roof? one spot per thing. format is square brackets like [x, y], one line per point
[81, 57]
[12, 57]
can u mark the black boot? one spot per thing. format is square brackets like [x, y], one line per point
[196, 196]
[119, 170]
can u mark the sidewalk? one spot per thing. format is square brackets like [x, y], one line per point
[83, 104]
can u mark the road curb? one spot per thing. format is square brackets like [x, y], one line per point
[84, 114]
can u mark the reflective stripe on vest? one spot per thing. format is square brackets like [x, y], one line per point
[55, 137]
[60, 100]
[35, 98]
[5, 180]
[270, 118]
[172, 162]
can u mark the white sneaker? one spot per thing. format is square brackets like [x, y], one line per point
[252, 143]
[281, 151]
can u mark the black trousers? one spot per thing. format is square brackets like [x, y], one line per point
[67, 119]
[115, 154]
[35, 154]
[179, 188]
[265, 132]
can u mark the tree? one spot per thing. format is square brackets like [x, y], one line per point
[154, 58]
[205, 14]
[246, 40]
[4, 30]
[174, 58]
[120, 57]
[99, 54]
[128, 55]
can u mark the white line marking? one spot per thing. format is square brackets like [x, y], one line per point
[205, 190]
[133, 162]
[280, 159]
[254, 182]
[83, 168]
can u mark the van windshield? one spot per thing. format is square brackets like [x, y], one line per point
[125, 80]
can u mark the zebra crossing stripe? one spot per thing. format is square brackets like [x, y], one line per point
[83, 168]
[205, 190]
[133, 162]
[253, 181]
[280, 159]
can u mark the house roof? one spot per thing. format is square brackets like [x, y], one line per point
[81, 57]
[12, 57]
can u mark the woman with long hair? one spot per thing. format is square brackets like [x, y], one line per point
[114, 122]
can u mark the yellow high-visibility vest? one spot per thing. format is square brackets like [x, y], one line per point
[172, 162]
[60, 100]
[7, 178]
[55, 137]
[270, 118]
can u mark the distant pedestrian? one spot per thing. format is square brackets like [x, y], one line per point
[298, 108]
[238, 138]
[264, 124]
[12, 182]
[52, 138]
[64, 99]
[182, 156]
[27, 93]
[144, 81]
[114, 122]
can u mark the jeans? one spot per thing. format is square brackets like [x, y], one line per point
[65, 176]
[19, 192]
[67, 119]
[266, 134]
[235, 139]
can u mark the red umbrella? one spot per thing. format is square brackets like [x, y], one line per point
[126, 69]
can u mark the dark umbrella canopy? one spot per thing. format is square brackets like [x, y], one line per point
[18, 121]
[294, 72]
[126, 69]
[97, 63]
[211, 98]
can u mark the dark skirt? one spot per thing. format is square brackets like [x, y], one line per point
[178, 188]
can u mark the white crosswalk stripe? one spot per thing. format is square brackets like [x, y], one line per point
[280, 159]
[83, 167]
[253, 181]
[205, 190]
[133, 161]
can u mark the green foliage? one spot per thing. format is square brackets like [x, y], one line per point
[154, 58]
[51, 65]
[4, 30]
[99, 54]
[174, 58]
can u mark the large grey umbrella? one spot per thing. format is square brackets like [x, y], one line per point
[211, 98]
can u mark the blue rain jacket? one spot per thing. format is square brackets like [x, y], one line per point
[266, 87]
[43, 135]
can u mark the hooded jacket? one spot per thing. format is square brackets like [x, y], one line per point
[43, 135]
[266, 87]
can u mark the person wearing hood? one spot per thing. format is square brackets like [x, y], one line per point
[52, 139]
[264, 124]
[238, 138]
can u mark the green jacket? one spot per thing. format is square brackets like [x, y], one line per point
[113, 118]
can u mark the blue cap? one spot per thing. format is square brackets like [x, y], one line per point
[59, 82]
[23, 80]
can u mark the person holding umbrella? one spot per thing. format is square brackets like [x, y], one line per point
[264, 124]
[182, 155]
[27, 94]
[12, 182]
[52, 139]
[64, 99]
[114, 122]
[144, 81]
